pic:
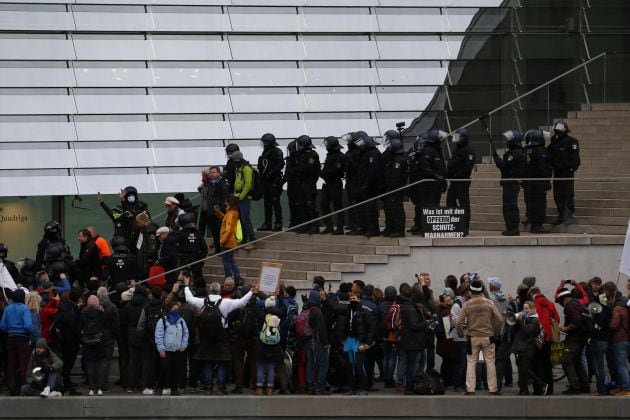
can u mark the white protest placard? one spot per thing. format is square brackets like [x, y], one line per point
[6, 280]
[269, 277]
[624, 266]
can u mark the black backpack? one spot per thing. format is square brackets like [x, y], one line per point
[256, 192]
[153, 314]
[428, 384]
[92, 330]
[244, 324]
[211, 319]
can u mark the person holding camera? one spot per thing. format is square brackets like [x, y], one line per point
[413, 333]
[526, 329]
[358, 337]
[483, 322]
[46, 368]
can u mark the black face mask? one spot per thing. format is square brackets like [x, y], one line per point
[354, 304]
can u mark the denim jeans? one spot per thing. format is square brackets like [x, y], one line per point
[599, 348]
[265, 368]
[208, 377]
[459, 377]
[413, 357]
[316, 358]
[621, 350]
[230, 268]
[246, 221]
[401, 370]
[390, 357]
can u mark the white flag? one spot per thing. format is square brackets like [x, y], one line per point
[624, 266]
[6, 280]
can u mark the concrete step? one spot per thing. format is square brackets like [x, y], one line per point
[330, 239]
[288, 264]
[275, 254]
[317, 247]
[607, 107]
[254, 272]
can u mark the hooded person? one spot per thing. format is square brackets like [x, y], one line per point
[49, 366]
[496, 294]
[129, 317]
[316, 347]
[110, 331]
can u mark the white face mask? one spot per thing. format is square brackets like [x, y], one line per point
[131, 199]
[457, 138]
[560, 127]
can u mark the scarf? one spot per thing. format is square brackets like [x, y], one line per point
[173, 317]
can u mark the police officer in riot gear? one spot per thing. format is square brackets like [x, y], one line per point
[332, 191]
[10, 265]
[395, 177]
[307, 170]
[270, 165]
[460, 166]
[229, 170]
[191, 247]
[368, 179]
[512, 166]
[52, 236]
[120, 267]
[537, 165]
[386, 158]
[426, 163]
[353, 155]
[293, 186]
[565, 159]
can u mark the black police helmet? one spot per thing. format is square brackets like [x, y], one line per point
[185, 220]
[391, 135]
[269, 139]
[28, 267]
[4, 249]
[57, 267]
[304, 142]
[332, 143]
[397, 146]
[52, 227]
[292, 146]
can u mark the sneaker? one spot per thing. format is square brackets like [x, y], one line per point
[54, 394]
[166, 391]
[350, 392]
[623, 394]
[129, 391]
[45, 393]
[363, 393]
[91, 393]
[494, 394]
[147, 391]
[99, 392]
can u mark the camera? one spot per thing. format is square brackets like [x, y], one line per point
[400, 125]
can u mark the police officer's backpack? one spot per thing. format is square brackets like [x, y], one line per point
[256, 192]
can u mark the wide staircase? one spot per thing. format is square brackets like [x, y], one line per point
[602, 212]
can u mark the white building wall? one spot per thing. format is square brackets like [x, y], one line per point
[95, 94]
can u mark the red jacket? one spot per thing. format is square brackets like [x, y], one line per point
[583, 300]
[546, 310]
[47, 315]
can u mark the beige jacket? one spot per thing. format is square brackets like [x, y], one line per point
[481, 317]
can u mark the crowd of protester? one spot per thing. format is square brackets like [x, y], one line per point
[182, 336]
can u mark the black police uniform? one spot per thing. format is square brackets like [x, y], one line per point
[537, 165]
[460, 166]
[120, 267]
[332, 191]
[307, 170]
[168, 259]
[512, 165]
[395, 177]
[270, 165]
[353, 156]
[368, 185]
[565, 159]
[386, 158]
[427, 163]
[46, 241]
[191, 246]
[293, 185]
